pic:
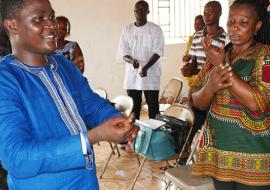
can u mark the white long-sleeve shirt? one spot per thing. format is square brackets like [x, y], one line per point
[141, 43]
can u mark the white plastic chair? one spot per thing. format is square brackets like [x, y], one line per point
[125, 105]
[101, 92]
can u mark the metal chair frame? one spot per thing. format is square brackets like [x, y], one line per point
[189, 182]
[179, 111]
[124, 104]
[170, 95]
[103, 93]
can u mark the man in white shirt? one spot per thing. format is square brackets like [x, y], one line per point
[141, 45]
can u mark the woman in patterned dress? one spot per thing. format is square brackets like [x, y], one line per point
[235, 86]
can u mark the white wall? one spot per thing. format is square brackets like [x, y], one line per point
[97, 25]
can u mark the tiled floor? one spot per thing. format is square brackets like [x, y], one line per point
[121, 171]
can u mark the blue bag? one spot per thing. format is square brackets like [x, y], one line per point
[154, 144]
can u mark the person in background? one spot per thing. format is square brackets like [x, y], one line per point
[47, 107]
[211, 15]
[141, 46]
[198, 26]
[70, 49]
[235, 84]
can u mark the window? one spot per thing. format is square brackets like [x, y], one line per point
[176, 17]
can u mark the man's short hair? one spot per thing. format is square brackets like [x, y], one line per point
[215, 4]
[144, 3]
[10, 9]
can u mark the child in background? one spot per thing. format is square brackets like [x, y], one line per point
[198, 26]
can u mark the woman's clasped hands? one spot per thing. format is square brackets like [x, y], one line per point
[221, 74]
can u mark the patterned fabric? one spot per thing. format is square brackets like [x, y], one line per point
[235, 145]
[62, 99]
[196, 50]
[67, 50]
[251, 169]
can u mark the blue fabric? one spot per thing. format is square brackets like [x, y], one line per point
[36, 147]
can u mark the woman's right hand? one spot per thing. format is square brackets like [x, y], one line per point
[215, 55]
[220, 77]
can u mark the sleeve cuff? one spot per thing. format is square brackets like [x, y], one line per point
[87, 151]
[84, 149]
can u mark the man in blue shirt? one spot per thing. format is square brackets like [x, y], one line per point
[47, 107]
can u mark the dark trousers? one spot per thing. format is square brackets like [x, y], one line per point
[220, 185]
[152, 100]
